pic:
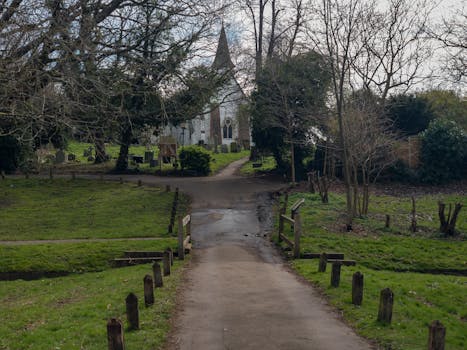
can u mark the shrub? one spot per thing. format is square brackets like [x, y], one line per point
[10, 154]
[443, 152]
[195, 159]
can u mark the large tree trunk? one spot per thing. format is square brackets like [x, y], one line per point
[100, 156]
[122, 161]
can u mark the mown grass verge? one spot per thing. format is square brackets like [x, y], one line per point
[268, 164]
[381, 255]
[71, 312]
[64, 209]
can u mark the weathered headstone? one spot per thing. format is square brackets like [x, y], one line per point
[156, 270]
[148, 156]
[148, 290]
[224, 148]
[357, 288]
[153, 163]
[386, 302]
[132, 312]
[115, 335]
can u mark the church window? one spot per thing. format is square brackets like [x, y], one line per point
[227, 129]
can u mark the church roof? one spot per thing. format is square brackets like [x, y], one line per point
[222, 59]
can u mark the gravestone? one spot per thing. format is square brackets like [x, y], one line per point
[153, 163]
[224, 148]
[60, 157]
[148, 156]
[71, 157]
[138, 159]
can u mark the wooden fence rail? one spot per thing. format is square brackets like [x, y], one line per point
[296, 224]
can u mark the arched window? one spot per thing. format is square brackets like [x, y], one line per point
[227, 129]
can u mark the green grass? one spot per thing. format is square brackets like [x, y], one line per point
[419, 299]
[218, 162]
[269, 164]
[63, 209]
[381, 254]
[65, 258]
[71, 312]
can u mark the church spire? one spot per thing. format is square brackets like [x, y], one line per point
[222, 59]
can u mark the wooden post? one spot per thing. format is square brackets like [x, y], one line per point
[166, 263]
[132, 312]
[281, 225]
[437, 335]
[335, 275]
[148, 290]
[3, 174]
[171, 255]
[156, 270]
[323, 261]
[51, 173]
[297, 233]
[181, 248]
[357, 288]
[121, 180]
[167, 188]
[413, 224]
[386, 302]
[115, 335]
[388, 221]
[140, 183]
[73, 175]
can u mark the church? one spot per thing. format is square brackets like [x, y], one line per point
[222, 121]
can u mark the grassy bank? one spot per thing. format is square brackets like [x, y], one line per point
[268, 164]
[382, 254]
[62, 209]
[71, 312]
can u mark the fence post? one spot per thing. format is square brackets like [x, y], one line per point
[281, 225]
[115, 335]
[323, 261]
[156, 270]
[171, 254]
[166, 263]
[357, 288]
[437, 335]
[335, 274]
[386, 303]
[388, 221]
[140, 183]
[132, 312]
[297, 229]
[181, 248]
[148, 290]
[167, 188]
[3, 174]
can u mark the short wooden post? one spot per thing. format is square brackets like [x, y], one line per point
[437, 335]
[166, 263]
[281, 225]
[73, 175]
[181, 248]
[140, 183]
[386, 302]
[121, 180]
[388, 221]
[357, 288]
[171, 255]
[323, 261]
[132, 312]
[148, 290]
[167, 188]
[156, 270]
[115, 335]
[297, 234]
[335, 275]
[51, 173]
[3, 175]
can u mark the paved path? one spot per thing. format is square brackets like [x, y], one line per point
[238, 292]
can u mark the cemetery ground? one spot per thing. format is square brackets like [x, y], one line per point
[78, 227]
[426, 272]
[81, 165]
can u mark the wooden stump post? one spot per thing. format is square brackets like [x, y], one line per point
[115, 335]
[166, 263]
[357, 288]
[156, 270]
[386, 302]
[148, 290]
[167, 188]
[140, 183]
[437, 335]
[121, 180]
[388, 221]
[323, 261]
[335, 275]
[171, 255]
[297, 234]
[181, 248]
[132, 312]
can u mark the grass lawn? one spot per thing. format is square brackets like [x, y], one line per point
[61, 209]
[381, 255]
[71, 312]
[218, 162]
[268, 164]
